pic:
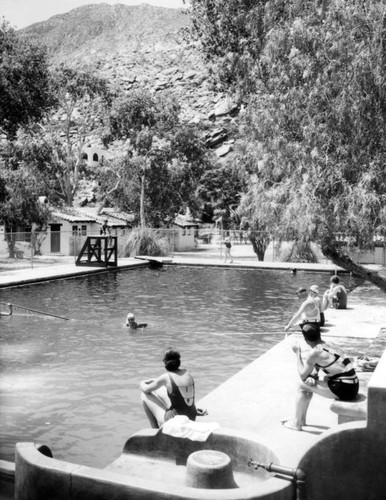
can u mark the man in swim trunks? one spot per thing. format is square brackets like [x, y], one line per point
[309, 311]
[170, 394]
[340, 379]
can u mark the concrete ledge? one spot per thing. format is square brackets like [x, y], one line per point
[350, 411]
[41, 274]
[41, 477]
[7, 471]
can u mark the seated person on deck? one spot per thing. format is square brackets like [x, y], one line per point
[170, 394]
[336, 295]
[309, 311]
[340, 379]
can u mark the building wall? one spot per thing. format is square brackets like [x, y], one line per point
[94, 156]
[184, 238]
[72, 236]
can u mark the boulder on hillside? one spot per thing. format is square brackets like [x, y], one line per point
[216, 137]
[223, 150]
[225, 107]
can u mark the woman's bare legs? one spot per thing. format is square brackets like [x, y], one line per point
[155, 405]
[303, 400]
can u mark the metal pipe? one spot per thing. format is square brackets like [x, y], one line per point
[296, 474]
[34, 310]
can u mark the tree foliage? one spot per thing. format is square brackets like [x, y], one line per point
[165, 159]
[220, 191]
[53, 150]
[231, 35]
[19, 203]
[315, 127]
[25, 89]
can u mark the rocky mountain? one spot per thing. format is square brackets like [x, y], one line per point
[141, 46]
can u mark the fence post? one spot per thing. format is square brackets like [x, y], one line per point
[32, 247]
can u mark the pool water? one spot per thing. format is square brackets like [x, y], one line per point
[74, 385]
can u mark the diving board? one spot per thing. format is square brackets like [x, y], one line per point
[155, 261]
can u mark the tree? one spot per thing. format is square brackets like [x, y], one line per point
[165, 159]
[316, 122]
[123, 184]
[53, 149]
[25, 90]
[220, 190]
[231, 37]
[142, 120]
[19, 204]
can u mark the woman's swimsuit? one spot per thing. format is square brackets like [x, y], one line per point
[178, 403]
[342, 379]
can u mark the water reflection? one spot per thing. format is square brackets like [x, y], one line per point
[73, 385]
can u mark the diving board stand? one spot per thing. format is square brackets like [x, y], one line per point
[99, 251]
[155, 261]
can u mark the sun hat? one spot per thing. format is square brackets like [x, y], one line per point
[130, 316]
[314, 288]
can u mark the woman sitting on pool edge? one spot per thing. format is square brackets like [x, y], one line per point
[132, 324]
[170, 394]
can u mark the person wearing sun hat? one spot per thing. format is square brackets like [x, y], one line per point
[309, 311]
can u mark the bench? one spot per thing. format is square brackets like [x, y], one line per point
[350, 411]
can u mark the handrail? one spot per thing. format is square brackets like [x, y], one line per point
[100, 251]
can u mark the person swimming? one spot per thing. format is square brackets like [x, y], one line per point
[132, 324]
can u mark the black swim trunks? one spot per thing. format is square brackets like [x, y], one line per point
[343, 390]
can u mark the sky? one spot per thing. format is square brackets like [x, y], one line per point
[22, 13]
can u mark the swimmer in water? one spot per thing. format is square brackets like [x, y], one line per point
[132, 324]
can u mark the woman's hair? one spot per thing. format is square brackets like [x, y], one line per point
[311, 332]
[172, 360]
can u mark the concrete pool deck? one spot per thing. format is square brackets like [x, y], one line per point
[259, 396]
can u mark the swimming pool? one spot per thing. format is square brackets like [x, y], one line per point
[74, 385]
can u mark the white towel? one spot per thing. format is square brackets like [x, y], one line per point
[180, 426]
